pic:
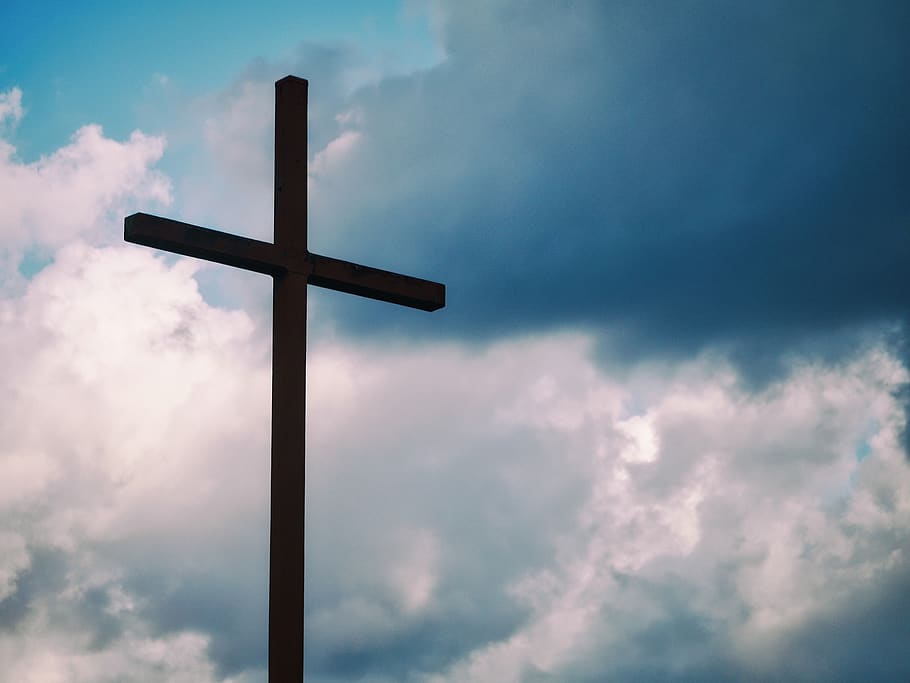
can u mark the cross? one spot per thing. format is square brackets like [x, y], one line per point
[292, 267]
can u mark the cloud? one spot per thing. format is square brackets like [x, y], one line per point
[676, 178]
[672, 179]
[230, 134]
[751, 521]
[519, 513]
[81, 191]
[11, 106]
[117, 437]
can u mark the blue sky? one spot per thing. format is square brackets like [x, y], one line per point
[658, 432]
[114, 51]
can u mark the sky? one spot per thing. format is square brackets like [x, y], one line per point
[659, 432]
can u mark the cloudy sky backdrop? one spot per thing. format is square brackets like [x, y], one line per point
[658, 433]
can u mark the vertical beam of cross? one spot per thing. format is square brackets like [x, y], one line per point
[286, 547]
[292, 267]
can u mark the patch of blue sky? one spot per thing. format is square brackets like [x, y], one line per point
[33, 261]
[863, 447]
[861, 450]
[96, 61]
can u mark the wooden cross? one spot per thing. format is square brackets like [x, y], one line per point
[291, 267]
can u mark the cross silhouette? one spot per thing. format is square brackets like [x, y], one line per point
[292, 267]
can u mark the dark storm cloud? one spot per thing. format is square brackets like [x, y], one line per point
[866, 639]
[172, 603]
[44, 576]
[675, 174]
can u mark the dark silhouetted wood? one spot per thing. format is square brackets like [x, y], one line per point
[292, 267]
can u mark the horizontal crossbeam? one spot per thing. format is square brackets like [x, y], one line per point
[204, 243]
[265, 257]
[383, 285]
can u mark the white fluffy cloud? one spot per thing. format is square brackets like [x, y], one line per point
[768, 509]
[82, 190]
[10, 106]
[758, 505]
[447, 489]
[136, 445]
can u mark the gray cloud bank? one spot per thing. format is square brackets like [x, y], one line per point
[675, 175]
